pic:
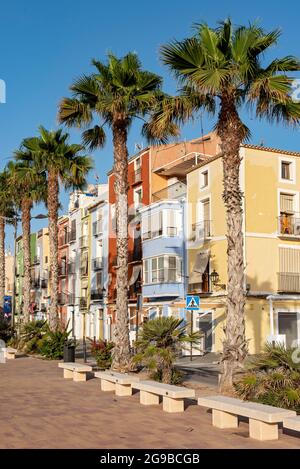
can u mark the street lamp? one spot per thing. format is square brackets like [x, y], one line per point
[214, 276]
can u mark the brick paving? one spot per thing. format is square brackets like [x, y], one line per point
[39, 409]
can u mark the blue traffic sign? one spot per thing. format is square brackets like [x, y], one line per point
[192, 302]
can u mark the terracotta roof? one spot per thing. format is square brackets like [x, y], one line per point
[270, 149]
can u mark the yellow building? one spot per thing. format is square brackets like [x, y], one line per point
[270, 181]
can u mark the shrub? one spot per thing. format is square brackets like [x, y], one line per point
[101, 351]
[30, 336]
[6, 331]
[52, 344]
[160, 341]
[272, 378]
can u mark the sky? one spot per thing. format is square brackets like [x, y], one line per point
[45, 45]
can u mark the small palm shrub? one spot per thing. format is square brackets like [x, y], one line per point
[272, 378]
[52, 344]
[160, 341]
[101, 350]
[6, 331]
[31, 334]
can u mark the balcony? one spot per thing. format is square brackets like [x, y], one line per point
[72, 236]
[173, 192]
[97, 227]
[36, 260]
[44, 283]
[201, 231]
[71, 268]
[63, 238]
[288, 282]
[97, 294]
[62, 299]
[289, 226]
[35, 283]
[97, 263]
[62, 270]
[71, 299]
[84, 242]
[83, 302]
[136, 177]
[84, 270]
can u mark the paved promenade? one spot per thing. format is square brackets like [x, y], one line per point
[39, 409]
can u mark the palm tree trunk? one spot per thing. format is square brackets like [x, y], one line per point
[26, 209]
[121, 351]
[2, 263]
[52, 200]
[235, 347]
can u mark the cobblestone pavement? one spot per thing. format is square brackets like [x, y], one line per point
[40, 409]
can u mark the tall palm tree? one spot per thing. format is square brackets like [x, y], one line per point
[222, 69]
[117, 93]
[62, 163]
[7, 213]
[30, 187]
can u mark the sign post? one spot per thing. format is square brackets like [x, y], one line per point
[192, 303]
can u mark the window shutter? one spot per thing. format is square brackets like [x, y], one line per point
[286, 203]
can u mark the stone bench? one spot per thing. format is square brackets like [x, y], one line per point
[77, 371]
[121, 383]
[173, 396]
[10, 353]
[292, 423]
[263, 419]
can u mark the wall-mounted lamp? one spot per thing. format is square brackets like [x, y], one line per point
[214, 276]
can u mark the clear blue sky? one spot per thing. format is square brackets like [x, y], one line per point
[46, 44]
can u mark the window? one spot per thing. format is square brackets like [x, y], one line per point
[98, 280]
[286, 170]
[286, 203]
[138, 196]
[46, 259]
[162, 269]
[171, 223]
[152, 225]
[204, 179]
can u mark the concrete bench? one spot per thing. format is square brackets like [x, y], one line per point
[292, 423]
[173, 396]
[263, 419]
[121, 383]
[77, 371]
[10, 353]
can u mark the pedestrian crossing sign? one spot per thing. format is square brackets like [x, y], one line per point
[192, 303]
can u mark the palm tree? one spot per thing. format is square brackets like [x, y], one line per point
[30, 187]
[62, 163]
[7, 213]
[222, 69]
[115, 95]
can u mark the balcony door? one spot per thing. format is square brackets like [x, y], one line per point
[288, 326]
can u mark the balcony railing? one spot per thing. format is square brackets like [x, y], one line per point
[36, 260]
[289, 225]
[201, 230]
[72, 236]
[35, 283]
[288, 282]
[174, 191]
[97, 294]
[62, 270]
[83, 302]
[62, 299]
[84, 270]
[63, 238]
[97, 263]
[84, 241]
[97, 227]
[44, 283]
[71, 268]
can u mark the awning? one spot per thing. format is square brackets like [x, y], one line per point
[137, 269]
[199, 267]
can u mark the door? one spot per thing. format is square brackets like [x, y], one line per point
[204, 325]
[288, 325]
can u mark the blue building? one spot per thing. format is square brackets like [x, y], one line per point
[164, 252]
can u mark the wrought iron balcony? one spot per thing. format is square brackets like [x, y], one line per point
[289, 225]
[97, 294]
[62, 299]
[288, 282]
[83, 302]
[84, 242]
[35, 283]
[97, 227]
[36, 259]
[44, 283]
[201, 230]
[97, 263]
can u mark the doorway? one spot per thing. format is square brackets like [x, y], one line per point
[288, 326]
